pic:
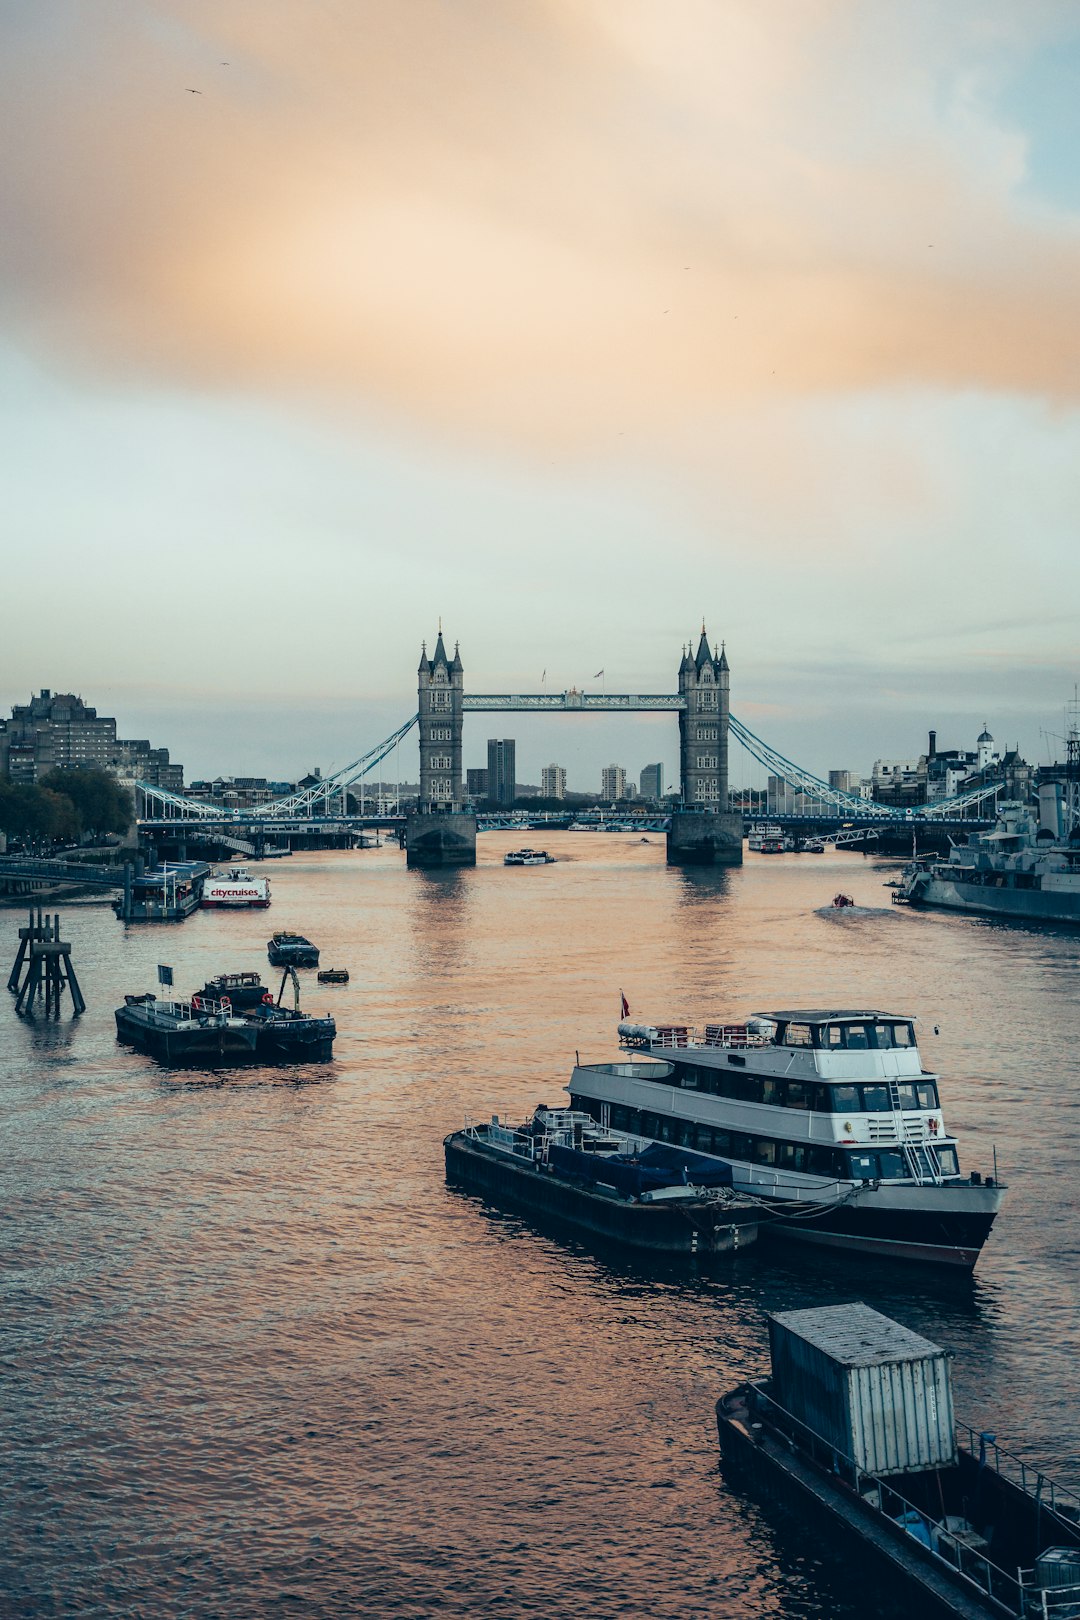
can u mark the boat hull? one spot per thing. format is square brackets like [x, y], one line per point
[703, 1228]
[234, 905]
[293, 956]
[206, 1046]
[1020, 905]
[306, 1041]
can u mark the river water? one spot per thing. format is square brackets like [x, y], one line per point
[258, 1360]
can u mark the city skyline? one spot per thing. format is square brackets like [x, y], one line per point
[573, 327]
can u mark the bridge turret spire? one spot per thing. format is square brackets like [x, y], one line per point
[424, 664]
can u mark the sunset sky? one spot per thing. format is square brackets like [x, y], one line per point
[573, 323]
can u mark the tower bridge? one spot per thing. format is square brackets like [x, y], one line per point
[706, 828]
[704, 831]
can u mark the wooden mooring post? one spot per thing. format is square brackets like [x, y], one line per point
[47, 959]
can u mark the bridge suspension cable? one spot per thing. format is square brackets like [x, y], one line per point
[805, 781]
[294, 804]
[850, 803]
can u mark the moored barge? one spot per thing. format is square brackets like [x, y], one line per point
[208, 1033]
[855, 1432]
[626, 1191]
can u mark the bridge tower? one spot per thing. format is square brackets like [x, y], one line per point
[440, 833]
[703, 831]
[440, 690]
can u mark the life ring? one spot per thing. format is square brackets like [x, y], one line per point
[268, 1000]
[932, 1126]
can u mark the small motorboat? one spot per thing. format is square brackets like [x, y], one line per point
[333, 975]
[292, 950]
[841, 901]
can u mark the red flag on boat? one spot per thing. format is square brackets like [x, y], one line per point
[625, 1005]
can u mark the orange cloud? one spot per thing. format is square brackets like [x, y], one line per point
[554, 223]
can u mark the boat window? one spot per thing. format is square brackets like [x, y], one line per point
[909, 1097]
[903, 1035]
[745, 1087]
[688, 1078]
[863, 1166]
[857, 1038]
[892, 1165]
[875, 1100]
[926, 1091]
[947, 1161]
[845, 1099]
[772, 1092]
[823, 1161]
[703, 1139]
[798, 1035]
[764, 1151]
[883, 1036]
[833, 1037]
[797, 1094]
[792, 1156]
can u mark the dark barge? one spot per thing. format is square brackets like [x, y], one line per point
[561, 1167]
[206, 1033]
[855, 1433]
[291, 950]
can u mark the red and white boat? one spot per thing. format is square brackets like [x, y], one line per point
[235, 888]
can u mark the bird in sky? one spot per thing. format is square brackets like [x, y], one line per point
[192, 92]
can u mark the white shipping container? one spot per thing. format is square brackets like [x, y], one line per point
[876, 1391]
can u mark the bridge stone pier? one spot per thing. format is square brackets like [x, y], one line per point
[441, 832]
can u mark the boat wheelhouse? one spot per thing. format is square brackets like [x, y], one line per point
[826, 1114]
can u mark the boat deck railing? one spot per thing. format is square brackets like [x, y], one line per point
[625, 1071]
[676, 1037]
[1051, 1497]
[1017, 1594]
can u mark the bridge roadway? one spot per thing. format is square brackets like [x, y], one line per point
[242, 824]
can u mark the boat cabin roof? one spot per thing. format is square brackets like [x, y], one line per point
[849, 1015]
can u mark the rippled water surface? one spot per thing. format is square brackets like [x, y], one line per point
[258, 1360]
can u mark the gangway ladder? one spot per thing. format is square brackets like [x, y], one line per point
[922, 1165]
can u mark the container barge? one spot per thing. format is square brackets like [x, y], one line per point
[561, 1166]
[855, 1432]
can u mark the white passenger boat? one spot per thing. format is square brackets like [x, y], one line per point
[527, 857]
[826, 1115]
[235, 887]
